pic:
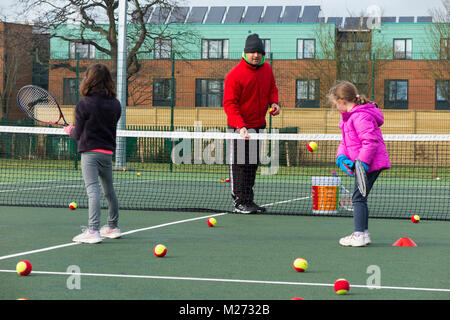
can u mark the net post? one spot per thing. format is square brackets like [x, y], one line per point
[122, 83]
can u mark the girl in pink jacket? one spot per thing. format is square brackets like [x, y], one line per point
[361, 139]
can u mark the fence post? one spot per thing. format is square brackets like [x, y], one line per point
[77, 87]
[373, 76]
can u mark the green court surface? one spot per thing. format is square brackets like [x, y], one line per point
[245, 257]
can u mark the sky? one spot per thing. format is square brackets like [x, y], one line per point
[339, 8]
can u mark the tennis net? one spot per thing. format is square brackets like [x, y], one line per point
[189, 171]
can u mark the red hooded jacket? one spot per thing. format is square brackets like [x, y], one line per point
[248, 93]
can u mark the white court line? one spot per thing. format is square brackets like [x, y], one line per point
[229, 280]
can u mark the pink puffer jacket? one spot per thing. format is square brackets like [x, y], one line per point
[362, 138]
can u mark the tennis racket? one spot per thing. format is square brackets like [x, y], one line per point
[345, 196]
[40, 105]
[361, 178]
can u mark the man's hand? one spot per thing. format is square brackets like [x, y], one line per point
[244, 133]
[275, 109]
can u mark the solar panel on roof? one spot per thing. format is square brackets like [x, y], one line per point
[134, 17]
[388, 19]
[425, 19]
[336, 20]
[272, 14]
[234, 15]
[215, 15]
[310, 14]
[160, 15]
[253, 15]
[178, 15]
[405, 19]
[197, 15]
[291, 14]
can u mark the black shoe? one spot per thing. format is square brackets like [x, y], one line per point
[245, 208]
[258, 209]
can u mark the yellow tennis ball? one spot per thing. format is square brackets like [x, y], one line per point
[138, 174]
[23, 268]
[312, 146]
[73, 205]
[212, 222]
[300, 265]
[160, 250]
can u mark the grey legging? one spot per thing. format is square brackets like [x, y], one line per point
[95, 165]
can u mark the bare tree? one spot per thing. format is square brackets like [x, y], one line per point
[95, 23]
[438, 56]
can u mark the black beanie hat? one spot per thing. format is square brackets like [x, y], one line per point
[254, 44]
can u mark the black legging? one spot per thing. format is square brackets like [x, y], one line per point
[243, 158]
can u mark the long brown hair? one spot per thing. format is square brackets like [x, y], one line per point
[98, 79]
[347, 91]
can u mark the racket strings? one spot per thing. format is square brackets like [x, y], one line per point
[39, 105]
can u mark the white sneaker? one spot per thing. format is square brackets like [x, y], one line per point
[353, 240]
[88, 236]
[110, 233]
[367, 238]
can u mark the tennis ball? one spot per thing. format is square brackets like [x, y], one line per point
[227, 180]
[341, 286]
[160, 250]
[300, 265]
[312, 146]
[123, 169]
[297, 298]
[138, 174]
[271, 111]
[415, 218]
[222, 180]
[73, 205]
[23, 268]
[212, 222]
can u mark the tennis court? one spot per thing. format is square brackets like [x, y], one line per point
[245, 257]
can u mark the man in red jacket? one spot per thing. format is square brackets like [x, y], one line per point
[250, 90]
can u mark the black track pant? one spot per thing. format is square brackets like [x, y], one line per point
[243, 160]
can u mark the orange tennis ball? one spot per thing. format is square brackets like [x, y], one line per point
[300, 265]
[415, 218]
[73, 205]
[212, 222]
[23, 268]
[341, 286]
[312, 146]
[160, 250]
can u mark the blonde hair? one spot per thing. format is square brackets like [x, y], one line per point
[347, 91]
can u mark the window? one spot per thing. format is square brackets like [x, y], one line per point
[162, 92]
[209, 92]
[445, 48]
[306, 48]
[214, 49]
[307, 94]
[266, 43]
[402, 48]
[442, 95]
[396, 94]
[85, 51]
[163, 48]
[69, 91]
